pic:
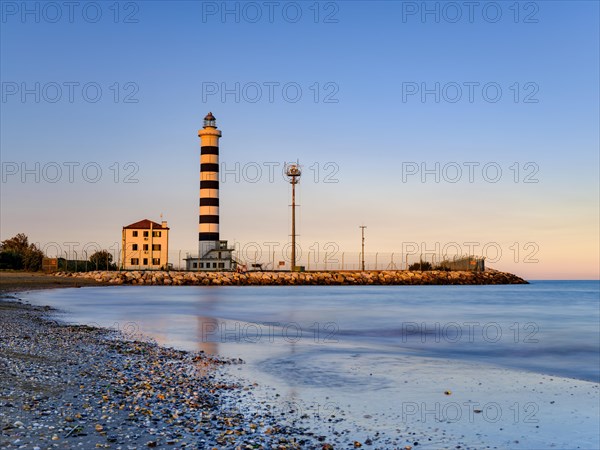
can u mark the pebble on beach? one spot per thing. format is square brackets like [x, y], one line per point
[85, 387]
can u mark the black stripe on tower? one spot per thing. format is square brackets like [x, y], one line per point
[209, 167]
[209, 201]
[208, 236]
[209, 184]
[208, 219]
[209, 150]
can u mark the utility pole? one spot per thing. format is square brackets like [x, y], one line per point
[362, 227]
[293, 173]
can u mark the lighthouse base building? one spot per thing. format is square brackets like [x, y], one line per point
[213, 253]
[216, 259]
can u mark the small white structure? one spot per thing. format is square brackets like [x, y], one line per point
[217, 259]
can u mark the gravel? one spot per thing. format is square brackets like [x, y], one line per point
[69, 386]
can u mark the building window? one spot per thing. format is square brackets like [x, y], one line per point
[202, 265]
[145, 247]
[145, 234]
[145, 261]
[134, 233]
[134, 247]
[156, 261]
[194, 265]
[156, 247]
[135, 261]
[214, 265]
[156, 233]
[221, 265]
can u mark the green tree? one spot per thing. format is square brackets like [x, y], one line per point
[18, 244]
[102, 260]
[18, 253]
[10, 260]
[32, 260]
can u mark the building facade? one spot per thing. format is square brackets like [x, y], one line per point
[145, 246]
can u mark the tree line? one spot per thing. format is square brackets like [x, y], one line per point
[17, 253]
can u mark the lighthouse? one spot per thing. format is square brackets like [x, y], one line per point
[213, 253]
[208, 223]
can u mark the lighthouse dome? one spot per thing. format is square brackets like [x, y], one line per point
[210, 121]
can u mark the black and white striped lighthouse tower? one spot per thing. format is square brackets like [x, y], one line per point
[208, 227]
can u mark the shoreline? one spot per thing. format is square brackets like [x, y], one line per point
[74, 385]
[19, 281]
[228, 399]
[334, 278]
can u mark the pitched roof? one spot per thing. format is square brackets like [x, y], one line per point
[146, 225]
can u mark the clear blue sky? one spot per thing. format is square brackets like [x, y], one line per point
[370, 57]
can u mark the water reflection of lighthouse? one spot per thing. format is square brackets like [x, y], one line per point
[207, 324]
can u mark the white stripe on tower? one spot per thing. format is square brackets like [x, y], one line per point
[208, 222]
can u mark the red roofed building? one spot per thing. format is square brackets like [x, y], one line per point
[145, 246]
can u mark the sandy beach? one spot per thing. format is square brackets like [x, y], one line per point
[27, 281]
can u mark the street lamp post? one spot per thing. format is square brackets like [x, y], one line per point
[362, 227]
[293, 173]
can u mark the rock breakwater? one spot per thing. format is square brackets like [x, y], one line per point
[400, 277]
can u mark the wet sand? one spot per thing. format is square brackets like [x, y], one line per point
[26, 281]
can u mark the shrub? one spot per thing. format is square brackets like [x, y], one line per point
[422, 265]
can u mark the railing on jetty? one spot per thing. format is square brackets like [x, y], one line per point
[335, 260]
[256, 258]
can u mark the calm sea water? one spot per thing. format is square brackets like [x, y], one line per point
[375, 362]
[550, 327]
